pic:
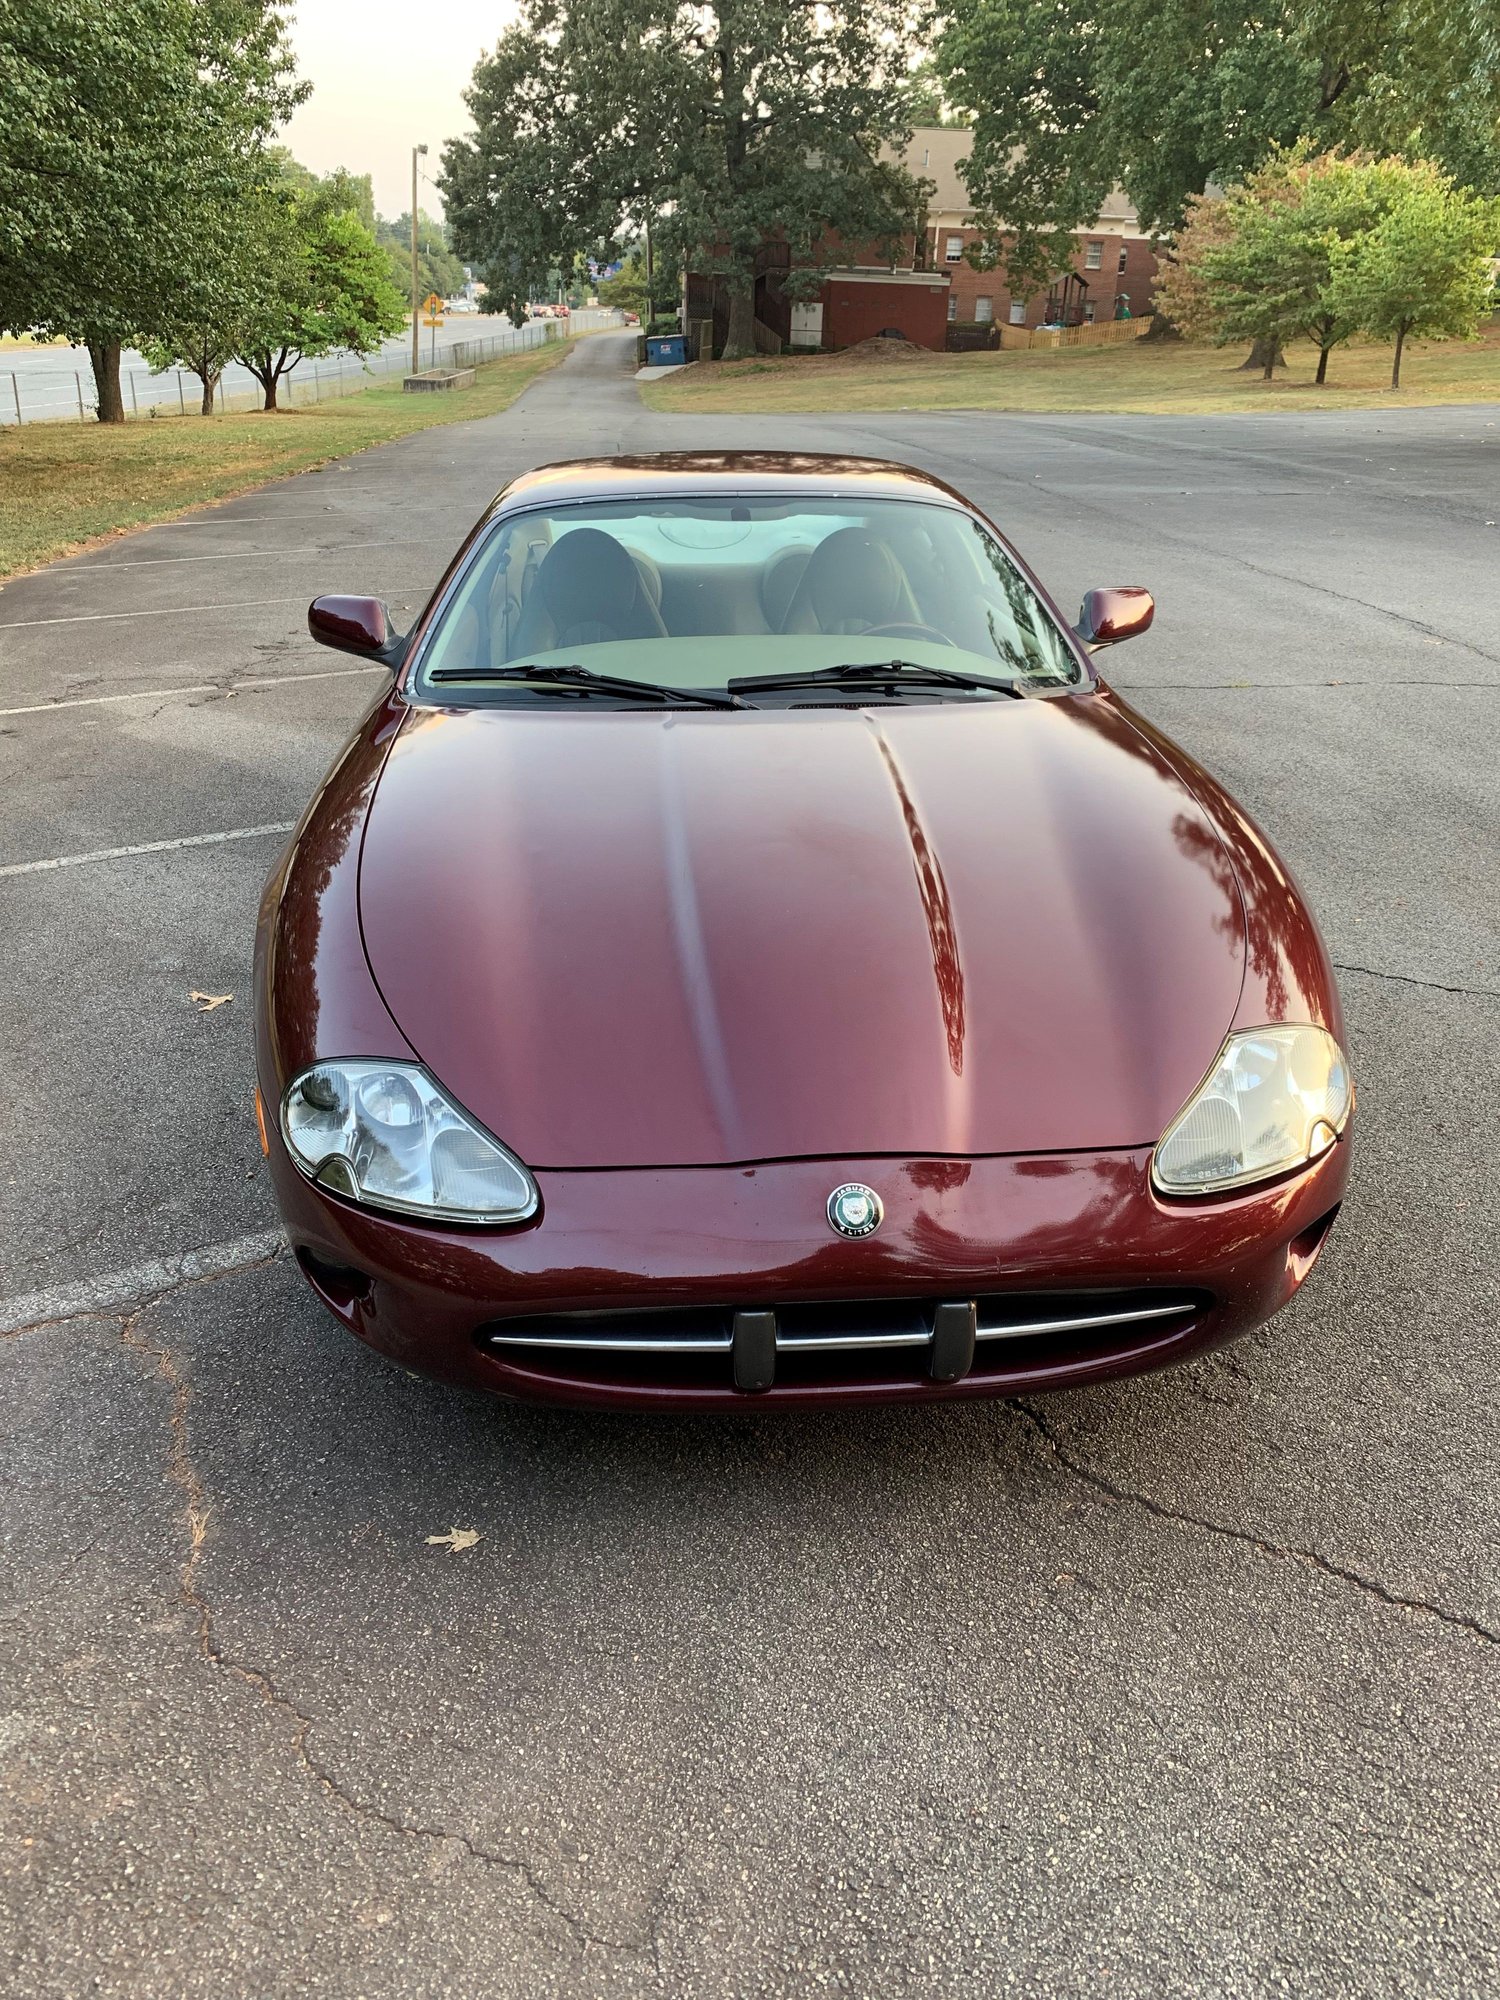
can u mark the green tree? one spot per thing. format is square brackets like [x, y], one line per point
[204, 325]
[1258, 264]
[129, 128]
[323, 283]
[1425, 268]
[1169, 97]
[734, 123]
[438, 270]
[628, 288]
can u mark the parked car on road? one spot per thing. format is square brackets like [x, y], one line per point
[749, 954]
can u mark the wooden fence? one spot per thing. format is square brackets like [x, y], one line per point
[1103, 333]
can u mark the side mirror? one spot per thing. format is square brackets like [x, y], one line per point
[1108, 616]
[356, 625]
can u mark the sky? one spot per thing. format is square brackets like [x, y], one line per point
[386, 77]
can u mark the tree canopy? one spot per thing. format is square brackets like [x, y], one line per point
[323, 283]
[1330, 245]
[1169, 97]
[1425, 267]
[438, 270]
[728, 124]
[131, 131]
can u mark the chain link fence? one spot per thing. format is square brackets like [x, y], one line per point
[44, 390]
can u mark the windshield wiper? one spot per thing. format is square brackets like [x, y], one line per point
[908, 673]
[583, 680]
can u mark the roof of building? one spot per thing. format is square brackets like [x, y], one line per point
[934, 155]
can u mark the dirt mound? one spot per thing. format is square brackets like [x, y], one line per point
[878, 349]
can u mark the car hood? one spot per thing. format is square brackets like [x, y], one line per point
[681, 938]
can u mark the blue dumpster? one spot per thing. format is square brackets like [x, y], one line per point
[666, 350]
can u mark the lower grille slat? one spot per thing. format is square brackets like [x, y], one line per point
[755, 1345]
[1029, 1329]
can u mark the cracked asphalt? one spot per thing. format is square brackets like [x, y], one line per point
[1183, 1686]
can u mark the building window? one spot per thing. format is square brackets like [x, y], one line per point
[1088, 312]
[953, 249]
[1093, 257]
[952, 306]
[1124, 256]
[984, 310]
[1018, 312]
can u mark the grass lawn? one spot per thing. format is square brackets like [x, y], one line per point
[1142, 376]
[64, 485]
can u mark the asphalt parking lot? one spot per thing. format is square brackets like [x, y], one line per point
[1186, 1686]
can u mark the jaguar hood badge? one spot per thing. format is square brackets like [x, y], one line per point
[855, 1210]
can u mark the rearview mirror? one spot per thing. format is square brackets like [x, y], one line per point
[355, 625]
[1108, 616]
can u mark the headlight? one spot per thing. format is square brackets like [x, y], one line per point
[383, 1134]
[1275, 1099]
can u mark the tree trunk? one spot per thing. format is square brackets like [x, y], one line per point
[210, 383]
[739, 342]
[1396, 364]
[268, 382]
[1264, 355]
[1322, 375]
[104, 359]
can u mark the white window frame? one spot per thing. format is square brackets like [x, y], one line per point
[1093, 257]
[953, 248]
[1018, 312]
[1124, 258]
[984, 309]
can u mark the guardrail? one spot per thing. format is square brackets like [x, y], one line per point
[64, 393]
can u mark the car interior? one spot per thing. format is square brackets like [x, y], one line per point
[551, 584]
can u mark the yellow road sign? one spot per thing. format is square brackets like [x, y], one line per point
[432, 304]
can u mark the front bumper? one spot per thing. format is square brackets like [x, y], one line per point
[715, 1241]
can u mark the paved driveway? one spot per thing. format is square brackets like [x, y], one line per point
[1186, 1686]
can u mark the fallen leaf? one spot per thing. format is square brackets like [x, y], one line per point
[207, 1002]
[455, 1541]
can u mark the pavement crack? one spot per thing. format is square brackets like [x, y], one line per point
[1275, 1551]
[197, 1506]
[1406, 979]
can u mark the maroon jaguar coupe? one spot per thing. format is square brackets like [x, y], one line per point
[748, 956]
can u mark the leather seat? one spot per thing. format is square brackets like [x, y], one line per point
[852, 583]
[778, 583]
[588, 591]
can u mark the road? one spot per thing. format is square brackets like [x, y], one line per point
[1182, 1686]
[55, 383]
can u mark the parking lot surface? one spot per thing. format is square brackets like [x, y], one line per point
[1183, 1686]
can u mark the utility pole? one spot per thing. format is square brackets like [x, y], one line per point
[416, 358]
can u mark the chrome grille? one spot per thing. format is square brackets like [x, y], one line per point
[946, 1338]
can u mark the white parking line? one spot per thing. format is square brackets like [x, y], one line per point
[140, 1281]
[192, 687]
[163, 611]
[146, 847]
[261, 555]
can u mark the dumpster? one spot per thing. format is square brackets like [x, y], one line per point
[666, 350]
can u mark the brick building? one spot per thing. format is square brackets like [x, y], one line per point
[1113, 257]
[932, 286]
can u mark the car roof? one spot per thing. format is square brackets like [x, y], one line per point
[657, 475]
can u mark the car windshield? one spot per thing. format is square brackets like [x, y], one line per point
[698, 592]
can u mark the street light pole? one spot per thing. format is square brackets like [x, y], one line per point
[416, 358]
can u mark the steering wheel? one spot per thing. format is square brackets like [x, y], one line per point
[912, 631]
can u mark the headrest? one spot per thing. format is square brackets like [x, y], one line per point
[852, 578]
[586, 570]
